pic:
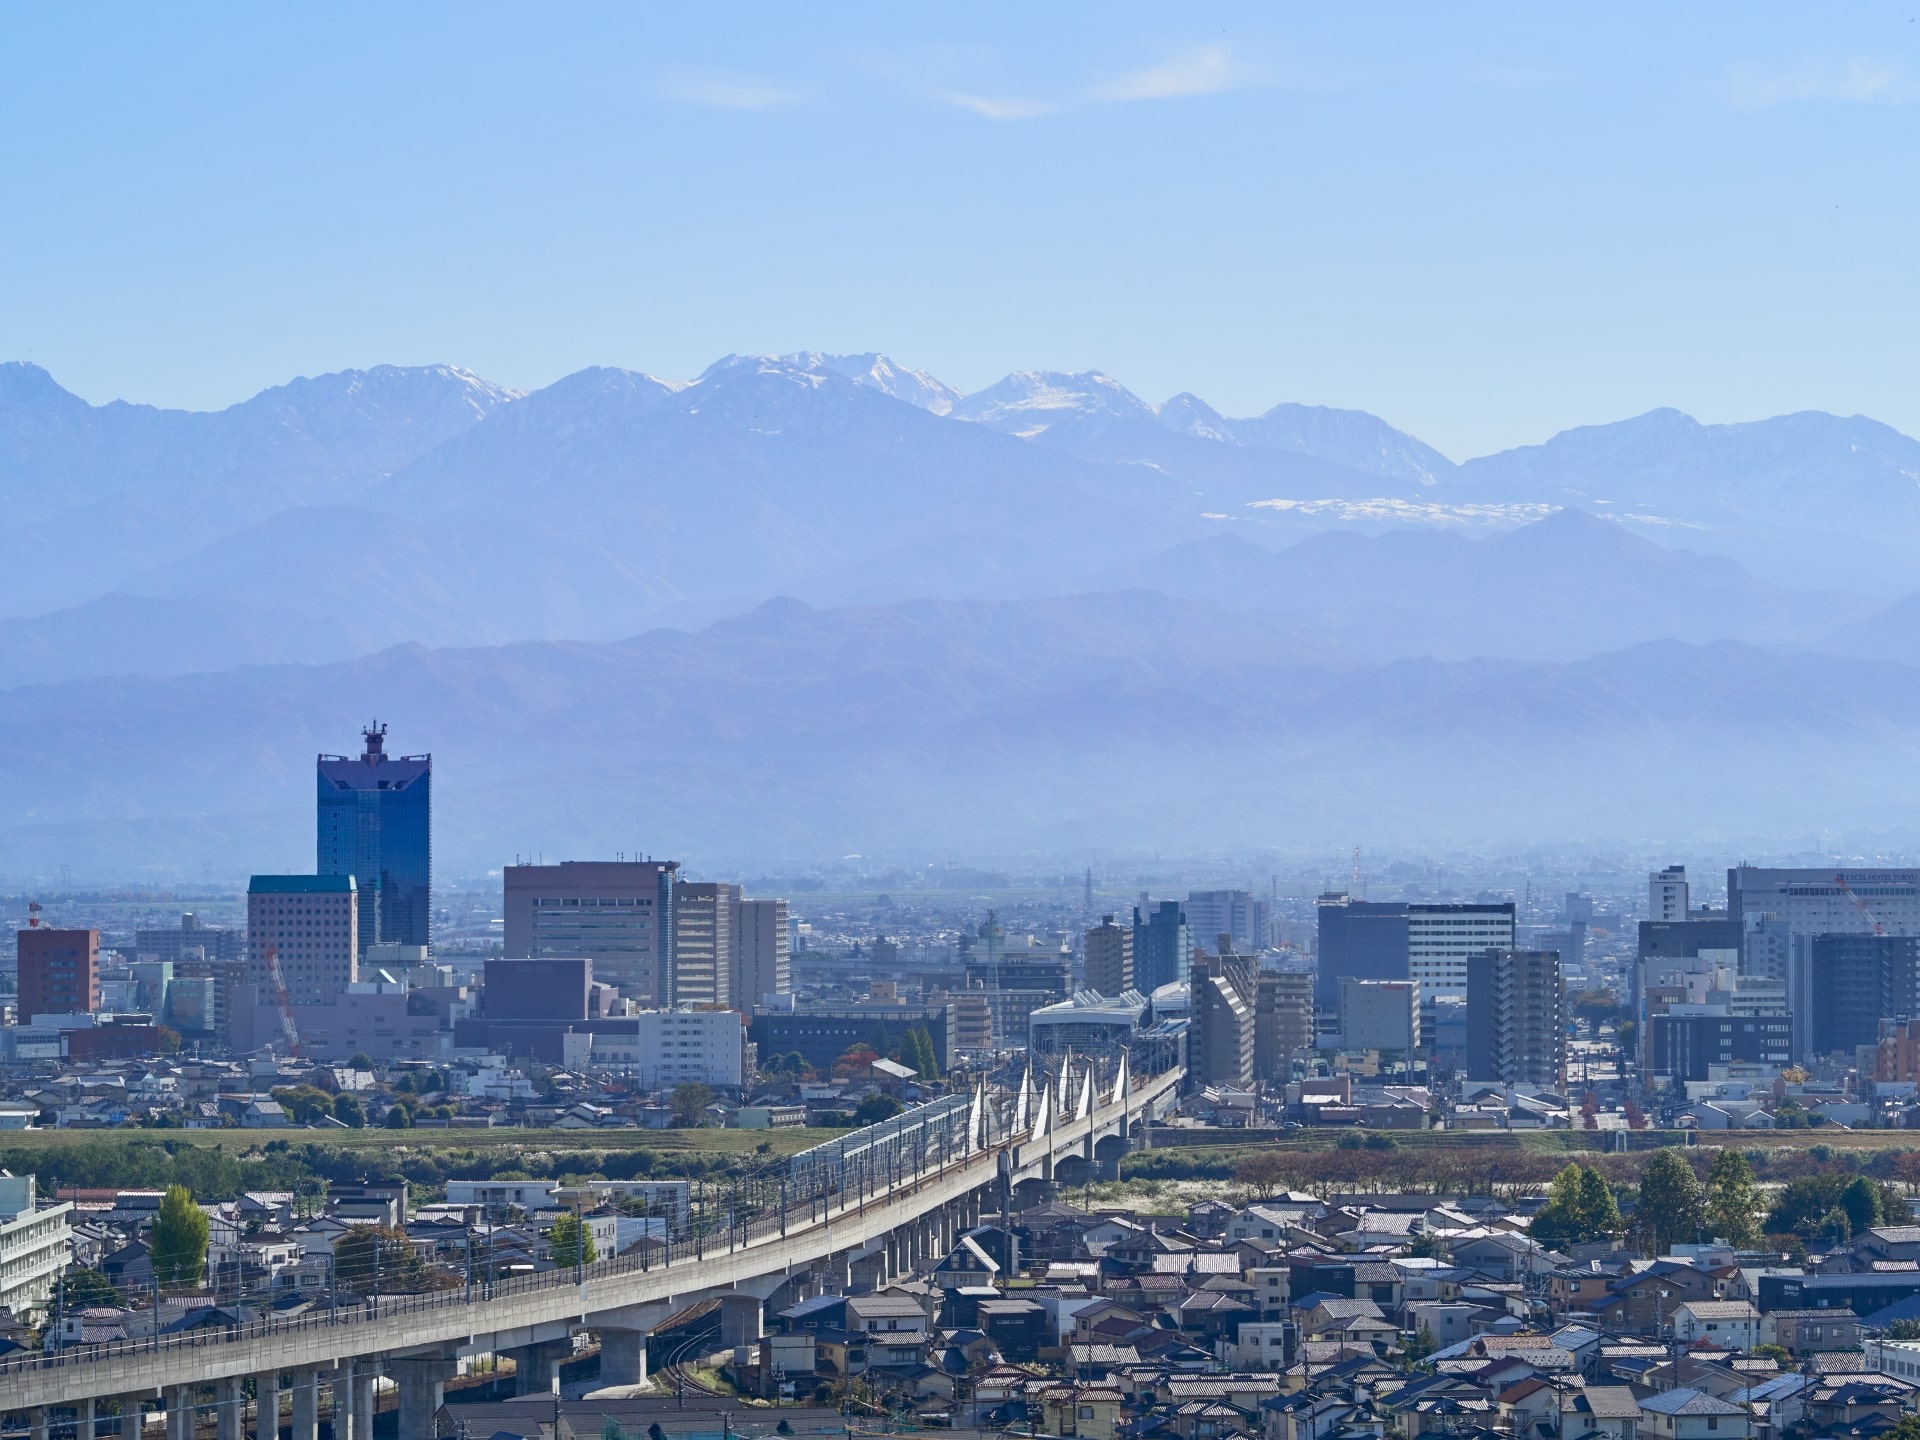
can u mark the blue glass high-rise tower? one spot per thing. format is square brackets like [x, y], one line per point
[376, 824]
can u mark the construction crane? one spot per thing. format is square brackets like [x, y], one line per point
[271, 954]
[1847, 890]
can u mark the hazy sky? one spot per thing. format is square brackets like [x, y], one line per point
[1482, 222]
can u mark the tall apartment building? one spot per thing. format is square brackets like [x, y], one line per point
[1109, 949]
[1781, 911]
[375, 823]
[311, 923]
[1221, 1031]
[616, 913]
[59, 972]
[1863, 979]
[1213, 913]
[1517, 1018]
[702, 969]
[1162, 947]
[1667, 894]
[1282, 1021]
[762, 965]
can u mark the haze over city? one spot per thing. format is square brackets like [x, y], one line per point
[1109, 722]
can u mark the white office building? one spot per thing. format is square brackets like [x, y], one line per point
[1667, 895]
[677, 1047]
[1441, 938]
[36, 1244]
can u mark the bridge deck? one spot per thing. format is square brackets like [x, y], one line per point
[497, 1316]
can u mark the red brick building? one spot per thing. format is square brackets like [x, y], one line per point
[59, 972]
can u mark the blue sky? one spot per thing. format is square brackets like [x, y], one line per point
[1485, 223]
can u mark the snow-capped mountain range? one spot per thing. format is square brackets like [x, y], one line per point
[336, 514]
[1048, 612]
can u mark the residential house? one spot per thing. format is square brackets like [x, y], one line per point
[1805, 1332]
[1732, 1323]
[1687, 1414]
[1599, 1412]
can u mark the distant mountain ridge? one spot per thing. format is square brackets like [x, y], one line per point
[424, 503]
[932, 727]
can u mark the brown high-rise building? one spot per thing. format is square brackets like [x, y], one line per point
[616, 913]
[1282, 1022]
[59, 972]
[1222, 1030]
[1110, 958]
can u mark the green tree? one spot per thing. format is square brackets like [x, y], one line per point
[304, 1103]
[690, 1103]
[348, 1111]
[178, 1245]
[1580, 1209]
[569, 1235]
[875, 1108]
[1802, 1203]
[1732, 1201]
[361, 1061]
[1427, 1247]
[80, 1288]
[399, 1118]
[1861, 1200]
[1422, 1344]
[1671, 1205]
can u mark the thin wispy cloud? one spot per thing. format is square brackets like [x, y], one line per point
[726, 90]
[1204, 70]
[992, 107]
[1752, 86]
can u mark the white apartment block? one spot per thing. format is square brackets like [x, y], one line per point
[36, 1244]
[761, 961]
[1440, 938]
[678, 1047]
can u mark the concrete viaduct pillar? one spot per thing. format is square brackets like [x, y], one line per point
[537, 1367]
[623, 1357]
[38, 1423]
[422, 1380]
[366, 1382]
[741, 1318]
[266, 1407]
[340, 1384]
[179, 1414]
[306, 1405]
[229, 1409]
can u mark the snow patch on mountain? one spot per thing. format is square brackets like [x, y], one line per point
[1027, 402]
